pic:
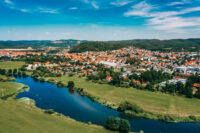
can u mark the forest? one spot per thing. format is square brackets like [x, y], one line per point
[174, 45]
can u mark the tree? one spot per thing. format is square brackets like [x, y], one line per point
[179, 87]
[10, 71]
[2, 71]
[124, 125]
[111, 123]
[149, 87]
[118, 124]
[70, 84]
[15, 71]
[197, 93]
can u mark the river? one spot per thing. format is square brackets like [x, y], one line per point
[81, 108]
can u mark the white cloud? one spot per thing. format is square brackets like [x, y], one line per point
[8, 2]
[24, 10]
[73, 8]
[178, 3]
[120, 2]
[12, 6]
[94, 4]
[47, 10]
[170, 21]
[141, 9]
[173, 23]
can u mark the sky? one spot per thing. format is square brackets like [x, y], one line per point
[99, 19]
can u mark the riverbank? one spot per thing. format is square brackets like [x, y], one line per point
[156, 105]
[21, 116]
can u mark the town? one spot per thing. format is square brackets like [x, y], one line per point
[124, 67]
[100, 66]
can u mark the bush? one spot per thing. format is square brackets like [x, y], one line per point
[124, 125]
[60, 84]
[118, 124]
[49, 111]
[112, 124]
[70, 84]
[128, 106]
[71, 74]
[192, 117]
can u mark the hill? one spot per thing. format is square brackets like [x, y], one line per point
[38, 43]
[151, 44]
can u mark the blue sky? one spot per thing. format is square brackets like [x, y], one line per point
[99, 19]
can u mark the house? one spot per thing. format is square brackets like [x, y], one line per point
[197, 85]
[108, 78]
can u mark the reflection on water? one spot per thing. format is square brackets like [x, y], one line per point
[81, 108]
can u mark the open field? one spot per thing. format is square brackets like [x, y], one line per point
[11, 64]
[19, 117]
[9, 88]
[155, 102]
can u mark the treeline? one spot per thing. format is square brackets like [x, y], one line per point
[151, 44]
[37, 43]
[41, 58]
[95, 46]
[13, 72]
[44, 72]
[152, 76]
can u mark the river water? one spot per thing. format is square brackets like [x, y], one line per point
[81, 108]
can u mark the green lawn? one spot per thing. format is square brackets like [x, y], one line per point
[19, 117]
[155, 102]
[11, 64]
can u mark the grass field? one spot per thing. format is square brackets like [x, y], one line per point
[155, 102]
[9, 88]
[19, 117]
[11, 64]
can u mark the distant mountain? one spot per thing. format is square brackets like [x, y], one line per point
[38, 43]
[150, 44]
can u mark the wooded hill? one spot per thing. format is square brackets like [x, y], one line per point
[151, 44]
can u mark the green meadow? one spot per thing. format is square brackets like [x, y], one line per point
[11, 64]
[155, 102]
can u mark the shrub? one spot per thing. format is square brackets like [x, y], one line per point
[71, 74]
[70, 84]
[128, 106]
[118, 124]
[60, 84]
[192, 117]
[49, 111]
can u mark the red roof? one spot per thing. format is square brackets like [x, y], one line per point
[196, 85]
